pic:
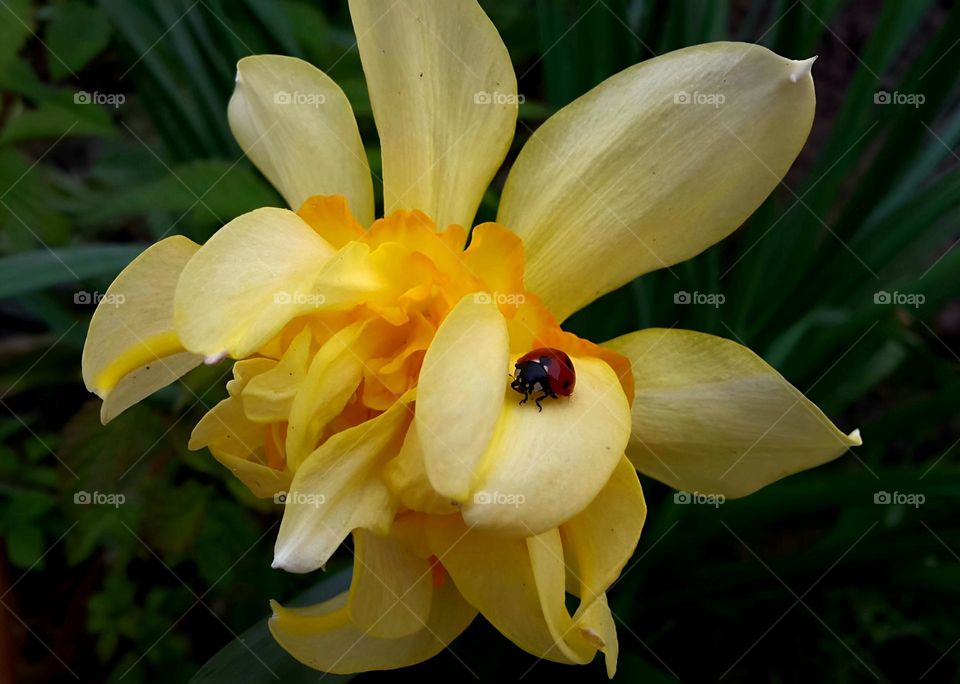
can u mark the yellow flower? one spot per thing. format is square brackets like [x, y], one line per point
[371, 384]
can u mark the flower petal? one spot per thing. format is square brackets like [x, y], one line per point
[236, 441]
[238, 444]
[391, 588]
[572, 447]
[330, 381]
[337, 489]
[297, 126]
[256, 274]
[406, 475]
[517, 584]
[653, 166]
[711, 416]
[460, 394]
[131, 349]
[323, 636]
[267, 398]
[599, 541]
[331, 218]
[444, 98]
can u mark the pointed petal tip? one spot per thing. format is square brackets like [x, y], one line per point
[802, 68]
[592, 636]
[290, 562]
[214, 359]
[854, 438]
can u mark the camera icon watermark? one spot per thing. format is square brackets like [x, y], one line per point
[299, 499]
[83, 97]
[714, 299]
[914, 299]
[714, 100]
[495, 498]
[915, 100]
[85, 498]
[514, 299]
[297, 97]
[484, 97]
[882, 498]
[83, 298]
[314, 299]
[698, 499]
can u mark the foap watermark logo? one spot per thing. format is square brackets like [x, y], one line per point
[485, 97]
[85, 498]
[882, 97]
[299, 499]
[314, 299]
[299, 97]
[914, 299]
[84, 97]
[714, 299]
[514, 299]
[714, 100]
[899, 499]
[485, 498]
[699, 499]
[83, 298]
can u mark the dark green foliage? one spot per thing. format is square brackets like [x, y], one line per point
[152, 588]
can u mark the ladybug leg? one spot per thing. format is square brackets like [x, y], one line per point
[526, 395]
[546, 393]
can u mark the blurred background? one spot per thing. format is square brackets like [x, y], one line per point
[124, 557]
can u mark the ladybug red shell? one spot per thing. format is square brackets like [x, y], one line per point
[547, 370]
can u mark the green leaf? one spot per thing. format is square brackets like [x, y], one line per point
[76, 34]
[62, 114]
[28, 212]
[25, 545]
[42, 268]
[213, 191]
[16, 21]
[236, 662]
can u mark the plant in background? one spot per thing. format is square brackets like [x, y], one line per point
[370, 383]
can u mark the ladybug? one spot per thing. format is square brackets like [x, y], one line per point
[547, 370]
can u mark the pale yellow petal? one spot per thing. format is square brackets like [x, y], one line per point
[267, 398]
[330, 381]
[259, 272]
[495, 575]
[598, 542]
[549, 572]
[710, 416]
[391, 589]
[460, 394]
[145, 380]
[595, 626]
[406, 475]
[543, 468]
[238, 444]
[297, 126]
[323, 637]
[131, 348]
[519, 587]
[337, 489]
[653, 166]
[236, 441]
[444, 97]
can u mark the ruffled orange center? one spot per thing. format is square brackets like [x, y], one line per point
[374, 349]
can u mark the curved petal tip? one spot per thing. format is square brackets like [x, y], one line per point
[214, 359]
[802, 68]
[854, 437]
